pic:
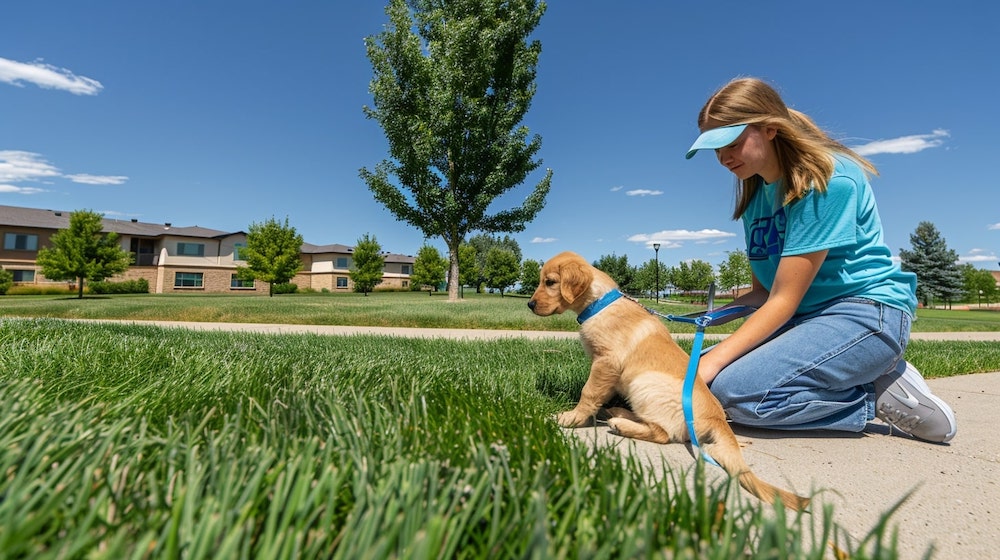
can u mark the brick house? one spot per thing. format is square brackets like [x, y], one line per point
[181, 259]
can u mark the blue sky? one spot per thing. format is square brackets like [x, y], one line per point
[220, 114]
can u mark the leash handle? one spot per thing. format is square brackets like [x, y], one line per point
[719, 316]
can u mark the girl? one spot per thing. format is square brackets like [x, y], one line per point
[824, 348]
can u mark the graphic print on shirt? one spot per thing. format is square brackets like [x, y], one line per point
[767, 236]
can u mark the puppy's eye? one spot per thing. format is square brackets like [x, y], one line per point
[550, 282]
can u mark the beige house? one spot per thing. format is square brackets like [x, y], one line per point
[327, 267]
[181, 259]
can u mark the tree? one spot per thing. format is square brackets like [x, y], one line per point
[271, 253]
[502, 269]
[83, 252]
[468, 266]
[483, 243]
[429, 268]
[979, 284]
[6, 281]
[735, 271]
[531, 274]
[619, 270]
[695, 276]
[452, 82]
[367, 266]
[935, 265]
[645, 277]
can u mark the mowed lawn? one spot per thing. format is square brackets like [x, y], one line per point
[134, 441]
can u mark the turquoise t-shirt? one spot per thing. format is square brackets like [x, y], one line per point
[845, 221]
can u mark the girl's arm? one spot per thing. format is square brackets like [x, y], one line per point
[794, 276]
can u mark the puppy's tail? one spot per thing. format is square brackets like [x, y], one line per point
[724, 448]
[769, 493]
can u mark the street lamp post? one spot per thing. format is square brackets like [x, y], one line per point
[656, 253]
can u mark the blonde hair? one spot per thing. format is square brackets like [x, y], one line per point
[804, 151]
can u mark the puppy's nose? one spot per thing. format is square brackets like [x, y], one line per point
[531, 305]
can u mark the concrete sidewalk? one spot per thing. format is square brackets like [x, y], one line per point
[955, 500]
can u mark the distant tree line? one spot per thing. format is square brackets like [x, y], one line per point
[84, 253]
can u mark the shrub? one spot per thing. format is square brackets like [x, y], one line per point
[6, 280]
[137, 286]
[40, 290]
[284, 288]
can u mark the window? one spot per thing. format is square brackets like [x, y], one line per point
[20, 242]
[406, 269]
[23, 275]
[341, 282]
[342, 262]
[191, 249]
[237, 282]
[237, 248]
[188, 280]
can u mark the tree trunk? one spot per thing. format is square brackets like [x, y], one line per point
[453, 271]
[79, 288]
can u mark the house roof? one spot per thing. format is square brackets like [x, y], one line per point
[311, 249]
[59, 219]
[18, 216]
[336, 248]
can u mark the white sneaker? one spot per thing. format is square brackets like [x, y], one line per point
[904, 401]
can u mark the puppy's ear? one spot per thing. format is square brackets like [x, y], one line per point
[574, 279]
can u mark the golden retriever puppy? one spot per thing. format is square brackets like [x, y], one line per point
[633, 354]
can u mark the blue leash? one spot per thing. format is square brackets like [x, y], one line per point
[701, 322]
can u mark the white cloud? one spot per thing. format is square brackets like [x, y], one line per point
[47, 76]
[19, 166]
[994, 226]
[20, 190]
[544, 240]
[979, 255]
[87, 179]
[903, 144]
[672, 238]
[643, 192]
[616, 189]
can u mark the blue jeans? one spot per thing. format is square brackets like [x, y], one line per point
[816, 372]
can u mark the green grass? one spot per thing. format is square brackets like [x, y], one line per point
[127, 441]
[383, 309]
[123, 441]
[474, 311]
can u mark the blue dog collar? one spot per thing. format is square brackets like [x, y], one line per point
[598, 306]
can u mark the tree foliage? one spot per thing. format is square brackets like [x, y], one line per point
[503, 269]
[980, 285]
[83, 252]
[695, 276]
[645, 279]
[619, 270]
[429, 268]
[368, 264]
[531, 273]
[6, 281]
[452, 82]
[483, 243]
[468, 266]
[936, 266]
[272, 253]
[735, 271]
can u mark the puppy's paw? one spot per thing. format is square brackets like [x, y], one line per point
[614, 426]
[574, 419]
